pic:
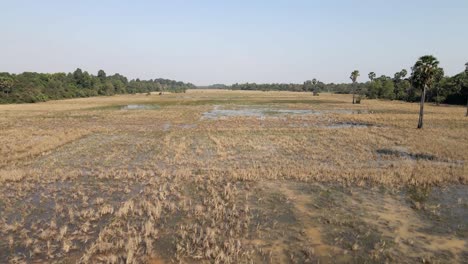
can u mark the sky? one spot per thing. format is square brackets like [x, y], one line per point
[208, 42]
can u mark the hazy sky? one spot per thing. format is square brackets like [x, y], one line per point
[206, 42]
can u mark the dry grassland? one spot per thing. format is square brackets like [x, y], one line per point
[232, 177]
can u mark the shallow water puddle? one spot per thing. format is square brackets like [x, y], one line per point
[140, 107]
[217, 113]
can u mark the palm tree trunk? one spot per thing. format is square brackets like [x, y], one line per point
[421, 108]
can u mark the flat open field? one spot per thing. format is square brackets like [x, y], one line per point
[232, 177]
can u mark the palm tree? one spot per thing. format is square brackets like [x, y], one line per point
[353, 77]
[372, 76]
[403, 73]
[399, 75]
[423, 77]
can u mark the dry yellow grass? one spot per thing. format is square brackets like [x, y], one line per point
[206, 176]
[95, 133]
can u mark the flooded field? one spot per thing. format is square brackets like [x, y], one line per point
[262, 112]
[232, 177]
[140, 107]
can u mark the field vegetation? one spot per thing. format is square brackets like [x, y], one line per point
[218, 176]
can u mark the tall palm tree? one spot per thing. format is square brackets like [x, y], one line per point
[403, 73]
[423, 77]
[372, 76]
[353, 77]
[400, 75]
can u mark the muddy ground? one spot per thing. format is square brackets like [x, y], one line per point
[202, 219]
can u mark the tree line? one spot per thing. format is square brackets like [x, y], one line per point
[446, 89]
[307, 86]
[31, 87]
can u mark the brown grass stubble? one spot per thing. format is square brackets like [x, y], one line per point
[75, 143]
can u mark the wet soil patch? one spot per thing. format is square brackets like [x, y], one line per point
[404, 154]
[41, 212]
[356, 224]
[349, 125]
[446, 208]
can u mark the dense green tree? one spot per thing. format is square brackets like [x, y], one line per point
[88, 81]
[6, 85]
[401, 85]
[401, 90]
[425, 72]
[373, 89]
[381, 87]
[119, 86]
[308, 86]
[438, 94]
[387, 90]
[78, 75]
[101, 75]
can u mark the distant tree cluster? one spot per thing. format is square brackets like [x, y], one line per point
[445, 89]
[30, 87]
[214, 86]
[307, 86]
